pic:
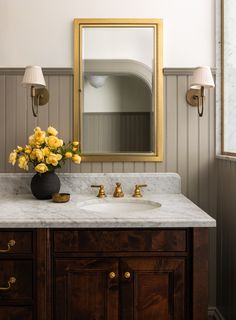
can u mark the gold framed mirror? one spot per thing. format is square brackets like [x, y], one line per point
[118, 89]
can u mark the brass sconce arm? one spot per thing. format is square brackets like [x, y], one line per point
[40, 96]
[195, 98]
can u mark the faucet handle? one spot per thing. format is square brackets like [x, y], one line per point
[101, 192]
[137, 190]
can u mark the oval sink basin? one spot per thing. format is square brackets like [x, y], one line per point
[119, 205]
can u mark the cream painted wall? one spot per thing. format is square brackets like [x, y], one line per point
[40, 32]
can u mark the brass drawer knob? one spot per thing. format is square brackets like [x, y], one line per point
[127, 275]
[10, 244]
[10, 282]
[112, 275]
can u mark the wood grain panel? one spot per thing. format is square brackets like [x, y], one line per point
[155, 290]
[100, 295]
[13, 313]
[120, 240]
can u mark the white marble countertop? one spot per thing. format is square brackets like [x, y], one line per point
[23, 211]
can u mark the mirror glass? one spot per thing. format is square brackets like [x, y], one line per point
[118, 113]
[117, 102]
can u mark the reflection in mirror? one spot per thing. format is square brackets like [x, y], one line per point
[118, 111]
[118, 89]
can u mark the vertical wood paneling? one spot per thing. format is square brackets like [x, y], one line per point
[43, 120]
[193, 154]
[226, 250]
[171, 124]
[3, 155]
[53, 105]
[182, 133]
[11, 105]
[64, 112]
[203, 156]
[118, 166]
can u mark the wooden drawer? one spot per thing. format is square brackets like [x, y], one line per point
[22, 290]
[11, 242]
[120, 240]
[16, 313]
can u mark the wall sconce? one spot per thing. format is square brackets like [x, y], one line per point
[34, 78]
[202, 79]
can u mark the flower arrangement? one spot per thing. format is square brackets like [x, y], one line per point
[45, 151]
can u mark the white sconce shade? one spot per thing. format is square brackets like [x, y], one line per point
[202, 77]
[33, 77]
[97, 81]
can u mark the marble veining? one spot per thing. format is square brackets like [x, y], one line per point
[80, 183]
[20, 210]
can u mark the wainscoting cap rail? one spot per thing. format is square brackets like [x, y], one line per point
[46, 71]
[182, 71]
[69, 71]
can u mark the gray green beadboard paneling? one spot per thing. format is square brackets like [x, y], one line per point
[189, 141]
[226, 239]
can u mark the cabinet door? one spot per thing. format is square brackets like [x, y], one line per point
[153, 288]
[86, 289]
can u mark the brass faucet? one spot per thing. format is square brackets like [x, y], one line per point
[137, 190]
[118, 193]
[101, 192]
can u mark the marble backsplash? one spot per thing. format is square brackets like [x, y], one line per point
[80, 183]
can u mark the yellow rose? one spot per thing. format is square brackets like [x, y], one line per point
[31, 140]
[39, 136]
[28, 149]
[52, 131]
[75, 143]
[53, 159]
[59, 156]
[68, 155]
[33, 155]
[41, 168]
[46, 151]
[23, 162]
[76, 159]
[12, 158]
[53, 142]
[39, 155]
[19, 148]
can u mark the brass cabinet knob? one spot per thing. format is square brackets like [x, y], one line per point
[10, 282]
[127, 275]
[112, 275]
[10, 244]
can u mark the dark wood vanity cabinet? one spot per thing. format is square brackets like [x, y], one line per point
[107, 274]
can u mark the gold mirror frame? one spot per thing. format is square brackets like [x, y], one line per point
[157, 24]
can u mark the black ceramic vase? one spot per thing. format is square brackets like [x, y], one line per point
[44, 185]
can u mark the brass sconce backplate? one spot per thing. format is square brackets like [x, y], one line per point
[41, 96]
[192, 95]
